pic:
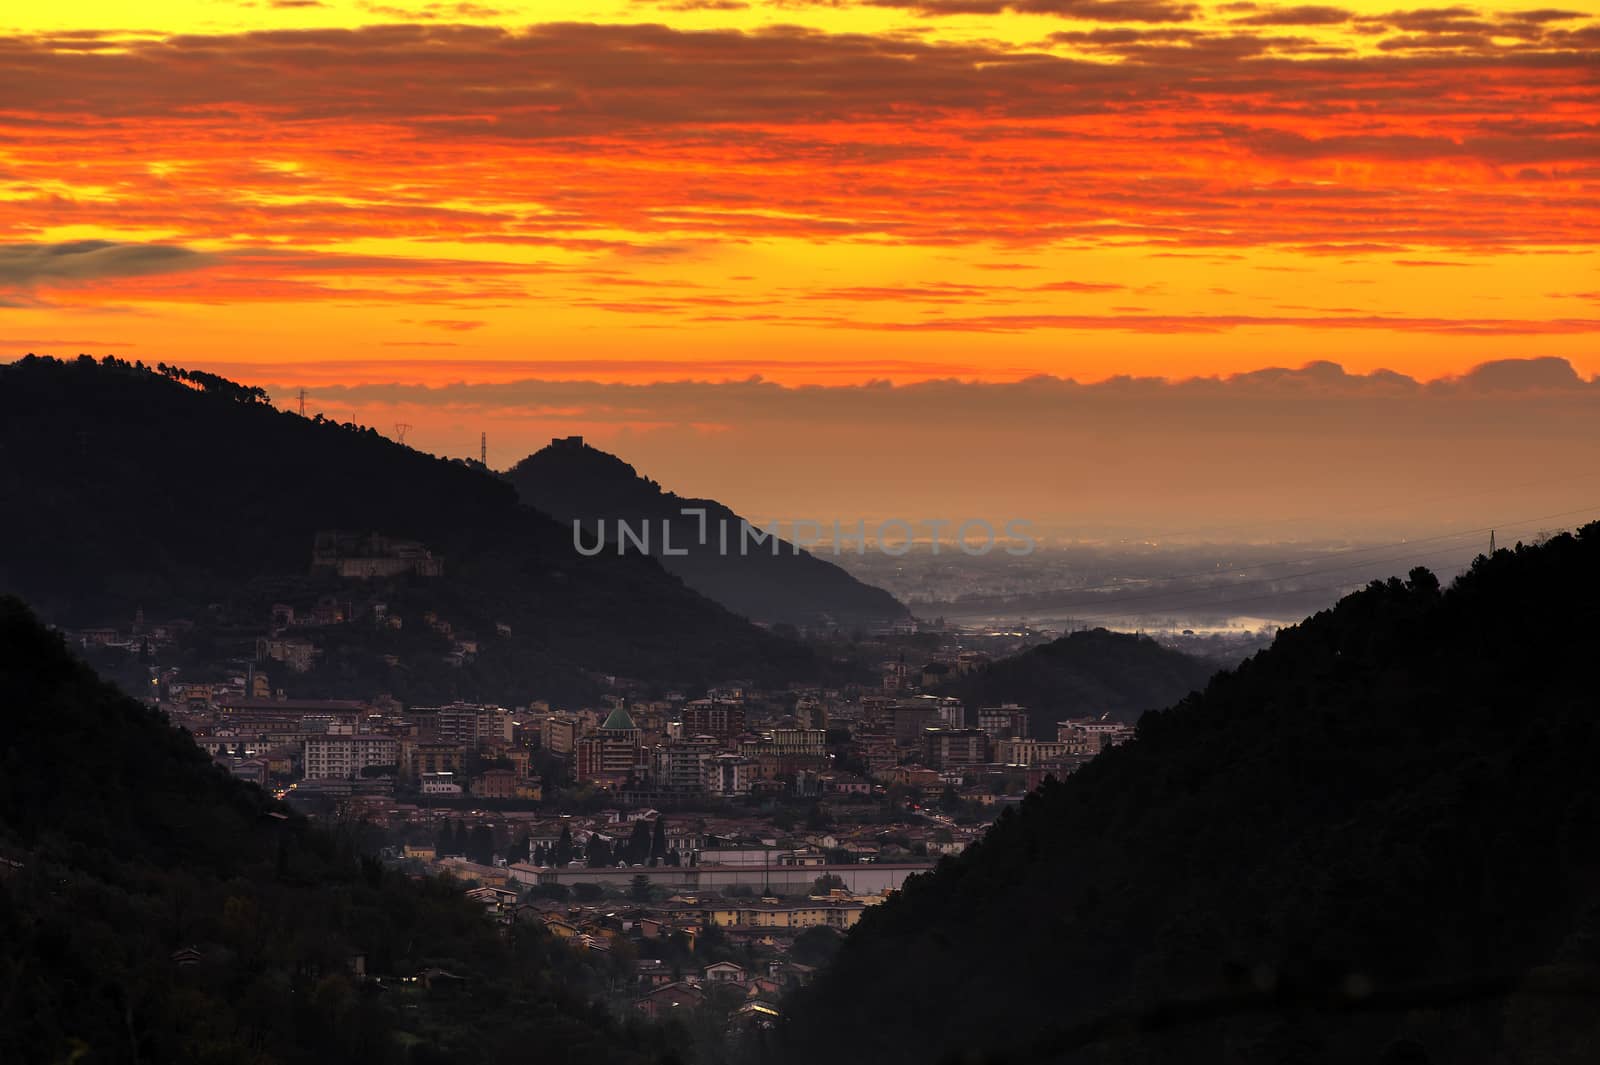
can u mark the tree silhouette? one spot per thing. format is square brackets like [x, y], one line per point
[658, 841]
[565, 851]
[1364, 838]
[637, 850]
[600, 856]
[480, 845]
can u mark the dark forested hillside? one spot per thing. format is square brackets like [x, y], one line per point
[1090, 673]
[575, 482]
[154, 909]
[190, 497]
[1377, 841]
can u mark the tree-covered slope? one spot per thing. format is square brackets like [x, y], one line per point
[125, 488]
[576, 482]
[1094, 672]
[1376, 841]
[153, 909]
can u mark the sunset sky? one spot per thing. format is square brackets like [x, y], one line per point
[344, 195]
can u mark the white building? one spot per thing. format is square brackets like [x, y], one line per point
[729, 774]
[335, 757]
[440, 784]
[682, 765]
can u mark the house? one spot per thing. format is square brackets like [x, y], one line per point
[753, 937]
[912, 776]
[724, 972]
[765, 988]
[661, 927]
[596, 940]
[497, 900]
[845, 784]
[495, 784]
[795, 973]
[560, 927]
[664, 1000]
[464, 869]
[758, 1012]
[440, 784]
[653, 973]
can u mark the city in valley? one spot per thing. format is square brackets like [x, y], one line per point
[706, 848]
[799, 532]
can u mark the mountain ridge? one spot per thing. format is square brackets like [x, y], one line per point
[1091, 672]
[155, 909]
[577, 482]
[217, 502]
[1373, 841]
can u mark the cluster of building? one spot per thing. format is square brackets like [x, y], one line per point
[726, 745]
[684, 947]
[288, 638]
[340, 748]
[732, 744]
[673, 749]
[636, 829]
[287, 634]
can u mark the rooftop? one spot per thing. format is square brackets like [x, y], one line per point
[618, 719]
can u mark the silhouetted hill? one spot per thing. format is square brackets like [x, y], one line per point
[574, 481]
[193, 498]
[154, 909]
[1377, 841]
[1092, 673]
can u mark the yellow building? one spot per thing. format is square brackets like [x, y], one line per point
[811, 915]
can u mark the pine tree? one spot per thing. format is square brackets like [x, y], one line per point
[564, 848]
[480, 845]
[658, 842]
[638, 848]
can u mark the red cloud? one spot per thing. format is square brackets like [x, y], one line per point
[567, 135]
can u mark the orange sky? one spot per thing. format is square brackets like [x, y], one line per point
[313, 193]
[1082, 187]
